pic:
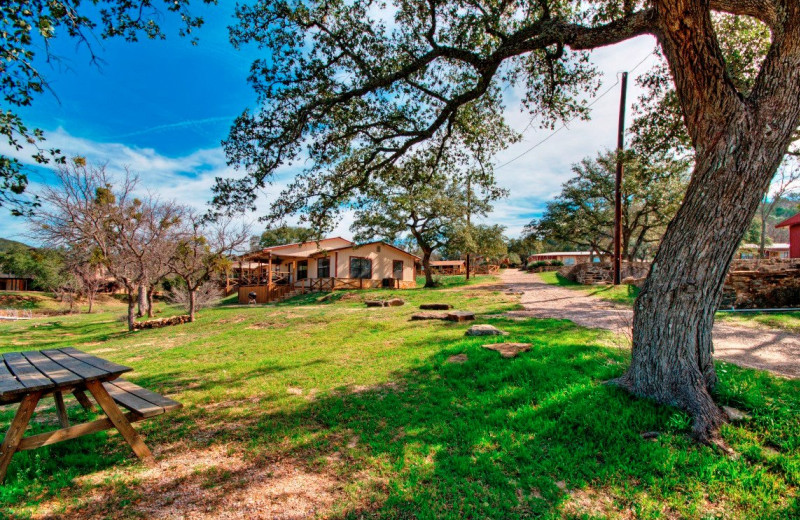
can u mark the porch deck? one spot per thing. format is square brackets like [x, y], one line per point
[267, 293]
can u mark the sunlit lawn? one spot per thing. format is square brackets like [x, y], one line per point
[623, 294]
[779, 320]
[365, 402]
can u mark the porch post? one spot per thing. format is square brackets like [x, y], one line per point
[269, 275]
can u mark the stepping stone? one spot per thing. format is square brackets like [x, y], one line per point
[436, 306]
[458, 358]
[509, 350]
[429, 316]
[460, 316]
[485, 330]
[735, 415]
[375, 303]
[395, 302]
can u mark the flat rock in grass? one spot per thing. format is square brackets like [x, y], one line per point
[650, 435]
[375, 303]
[458, 358]
[435, 306]
[509, 350]
[395, 302]
[460, 316]
[485, 330]
[735, 415]
[420, 316]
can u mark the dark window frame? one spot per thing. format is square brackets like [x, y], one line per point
[299, 270]
[365, 259]
[327, 262]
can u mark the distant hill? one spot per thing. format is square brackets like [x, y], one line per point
[6, 244]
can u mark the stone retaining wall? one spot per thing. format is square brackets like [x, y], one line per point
[602, 273]
[762, 284]
[751, 284]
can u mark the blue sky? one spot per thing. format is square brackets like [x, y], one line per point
[161, 108]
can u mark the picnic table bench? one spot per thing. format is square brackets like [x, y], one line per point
[26, 377]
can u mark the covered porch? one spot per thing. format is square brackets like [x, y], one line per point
[267, 276]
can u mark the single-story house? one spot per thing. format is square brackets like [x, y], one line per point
[567, 257]
[777, 250]
[448, 266]
[793, 223]
[12, 282]
[334, 263]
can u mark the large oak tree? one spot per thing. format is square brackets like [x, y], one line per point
[582, 215]
[352, 80]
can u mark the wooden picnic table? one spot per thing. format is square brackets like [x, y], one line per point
[26, 377]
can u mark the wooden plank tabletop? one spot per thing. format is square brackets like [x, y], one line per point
[26, 372]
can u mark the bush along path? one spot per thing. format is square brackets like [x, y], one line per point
[767, 349]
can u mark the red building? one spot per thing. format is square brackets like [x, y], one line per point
[793, 223]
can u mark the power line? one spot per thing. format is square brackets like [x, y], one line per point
[564, 125]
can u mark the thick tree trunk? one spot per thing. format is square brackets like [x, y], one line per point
[672, 360]
[150, 291]
[192, 303]
[131, 308]
[426, 265]
[141, 301]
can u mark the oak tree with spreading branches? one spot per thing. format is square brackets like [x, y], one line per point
[363, 83]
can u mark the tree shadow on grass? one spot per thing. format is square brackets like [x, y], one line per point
[487, 438]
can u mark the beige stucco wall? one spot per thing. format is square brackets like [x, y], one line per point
[381, 262]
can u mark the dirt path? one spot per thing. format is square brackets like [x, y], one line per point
[767, 349]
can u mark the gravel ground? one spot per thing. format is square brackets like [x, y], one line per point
[767, 349]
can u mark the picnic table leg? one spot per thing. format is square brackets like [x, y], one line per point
[83, 400]
[118, 419]
[61, 410]
[17, 430]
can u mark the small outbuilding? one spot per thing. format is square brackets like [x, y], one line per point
[793, 223]
[11, 282]
[567, 257]
[448, 267]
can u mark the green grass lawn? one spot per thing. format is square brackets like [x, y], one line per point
[622, 294]
[358, 413]
[777, 320]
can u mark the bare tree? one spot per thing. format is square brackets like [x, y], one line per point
[86, 269]
[202, 251]
[87, 209]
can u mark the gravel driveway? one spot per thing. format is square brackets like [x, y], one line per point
[767, 349]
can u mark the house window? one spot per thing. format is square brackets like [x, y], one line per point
[570, 260]
[302, 270]
[324, 268]
[397, 269]
[360, 267]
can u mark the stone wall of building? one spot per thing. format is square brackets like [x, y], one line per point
[602, 273]
[762, 284]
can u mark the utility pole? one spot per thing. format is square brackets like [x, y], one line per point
[618, 183]
[469, 210]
